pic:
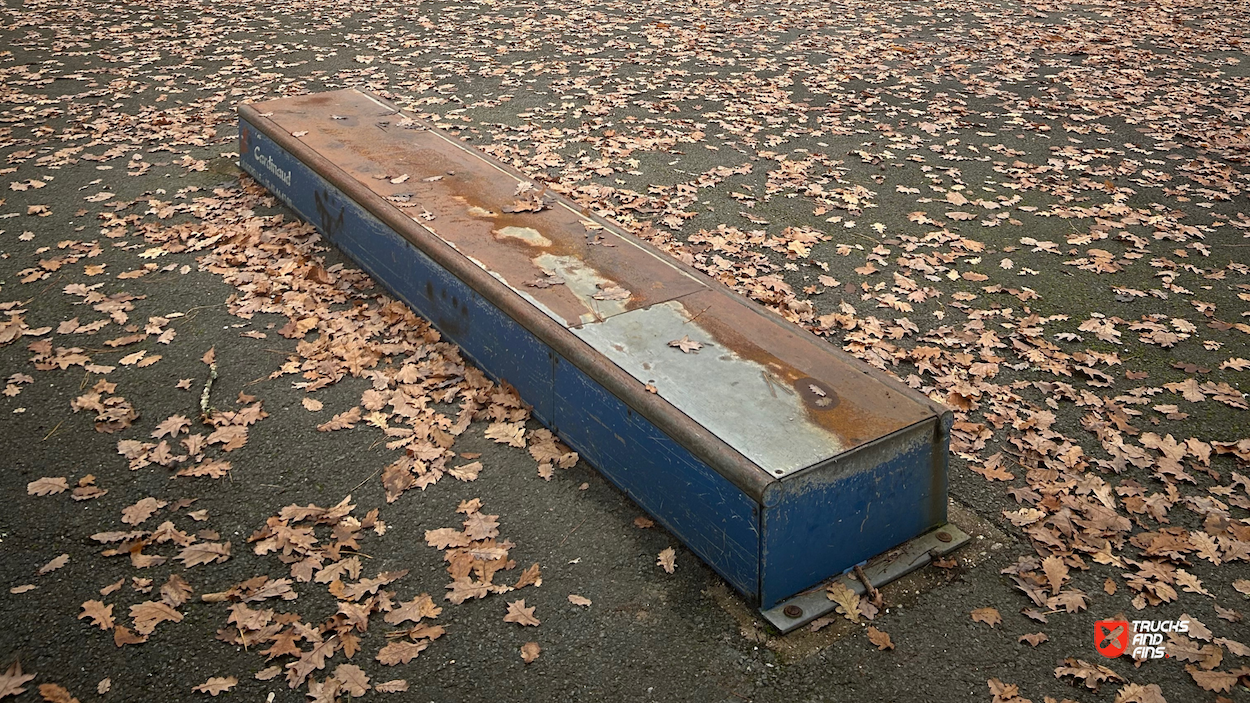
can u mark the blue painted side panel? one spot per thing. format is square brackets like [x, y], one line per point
[492, 340]
[822, 522]
[711, 515]
[812, 525]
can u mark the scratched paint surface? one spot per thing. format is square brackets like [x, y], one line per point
[727, 394]
[781, 398]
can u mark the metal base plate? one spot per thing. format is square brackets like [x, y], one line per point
[894, 564]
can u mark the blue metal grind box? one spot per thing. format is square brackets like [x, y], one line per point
[777, 459]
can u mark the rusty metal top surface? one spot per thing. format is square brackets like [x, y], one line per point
[779, 396]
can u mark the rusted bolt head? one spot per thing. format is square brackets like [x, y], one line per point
[793, 611]
[944, 536]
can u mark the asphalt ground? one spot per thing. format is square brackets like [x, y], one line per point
[1133, 112]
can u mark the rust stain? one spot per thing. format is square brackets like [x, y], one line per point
[861, 408]
[461, 196]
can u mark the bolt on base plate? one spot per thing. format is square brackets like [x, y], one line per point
[799, 610]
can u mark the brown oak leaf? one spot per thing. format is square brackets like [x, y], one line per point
[519, 614]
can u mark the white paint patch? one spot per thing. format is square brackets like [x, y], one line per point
[737, 399]
[529, 235]
[584, 282]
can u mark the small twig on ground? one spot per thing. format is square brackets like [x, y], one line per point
[208, 389]
[696, 315]
[358, 485]
[53, 431]
[570, 534]
[873, 594]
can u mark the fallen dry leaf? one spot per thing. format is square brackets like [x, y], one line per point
[519, 614]
[56, 693]
[880, 639]
[989, 616]
[47, 486]
[12, 680]
[101, 615]
[54, 564]
[1034, 639]
[686, 344]
[667, 560]
[216, 685]
[141, 511]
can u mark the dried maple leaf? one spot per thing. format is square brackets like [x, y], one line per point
[847, 600]
[216, 685]
[47, 486]
[519, 614]
[101, 615]
[12, 680]
[667, 560]
[686, 344]
[579, 600]
[880, 639]
[530, 651]
[989, 616]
